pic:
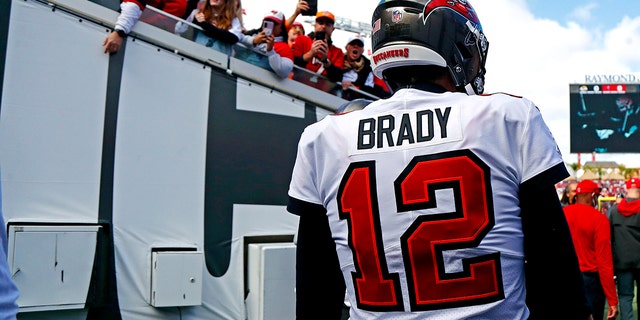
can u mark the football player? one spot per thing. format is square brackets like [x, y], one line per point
[439, 202]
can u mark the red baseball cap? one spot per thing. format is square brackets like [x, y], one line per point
[274, 15]
[297, 24]
[587, 186]
[633, 183]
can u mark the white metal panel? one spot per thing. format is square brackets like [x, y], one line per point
[51, 265]
[271, 281]
[176, 278]
[256, 98]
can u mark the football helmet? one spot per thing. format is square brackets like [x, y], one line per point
[444, 33]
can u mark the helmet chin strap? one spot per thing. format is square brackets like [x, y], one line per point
[469, 89]
[479, 84]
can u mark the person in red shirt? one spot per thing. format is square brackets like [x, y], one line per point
[592, 241]
[294, 31]
[318, 54]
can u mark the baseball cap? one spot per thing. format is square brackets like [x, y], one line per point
[297, 24]
[358, 39]
[274, 15]
[326, 15]
[633, 183]
[587, 186]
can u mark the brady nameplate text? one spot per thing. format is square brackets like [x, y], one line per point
[403, 129]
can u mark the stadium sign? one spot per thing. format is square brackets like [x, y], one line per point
[612, 78]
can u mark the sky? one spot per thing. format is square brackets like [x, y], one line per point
[537, 48]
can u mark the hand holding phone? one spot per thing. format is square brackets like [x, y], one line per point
[311, 7]
[320, 35]
[267, 27]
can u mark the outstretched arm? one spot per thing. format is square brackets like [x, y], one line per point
[130, 13]
[281, 66]
[217, 33]
[300, 6]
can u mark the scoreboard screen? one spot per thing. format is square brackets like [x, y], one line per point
[605, 118]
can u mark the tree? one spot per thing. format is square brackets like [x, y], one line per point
[575, 166]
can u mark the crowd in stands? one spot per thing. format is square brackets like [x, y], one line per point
[609, 188]
[277, 45]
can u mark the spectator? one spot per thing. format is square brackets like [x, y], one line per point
[592, 240]
[419, 218]
[220, 23]
[569, 193]
[274, 45]
[625, 226]
[320, 55]
[130, 12]
[8, 290]
[240, 13]
[357, 70]
[619, 197]
[295, 30]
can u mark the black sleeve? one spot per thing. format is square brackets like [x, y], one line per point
[377, 91]
[191, 5]
[299, 61]
[320, 287]
[217, 33]
[553, 279]
[334, 73]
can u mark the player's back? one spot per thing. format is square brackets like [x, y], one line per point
[421, 191]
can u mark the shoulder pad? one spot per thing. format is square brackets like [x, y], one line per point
[356, 104]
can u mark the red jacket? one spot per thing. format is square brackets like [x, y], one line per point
[283, 49]
[303, 44]
[591, 236]
[177, 8]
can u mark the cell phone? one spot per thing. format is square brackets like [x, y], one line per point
[267, 26]
[313, 8]
[320, 35]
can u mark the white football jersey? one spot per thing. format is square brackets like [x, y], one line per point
[421, 192]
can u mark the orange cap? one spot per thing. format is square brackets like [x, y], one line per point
[325, 14]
